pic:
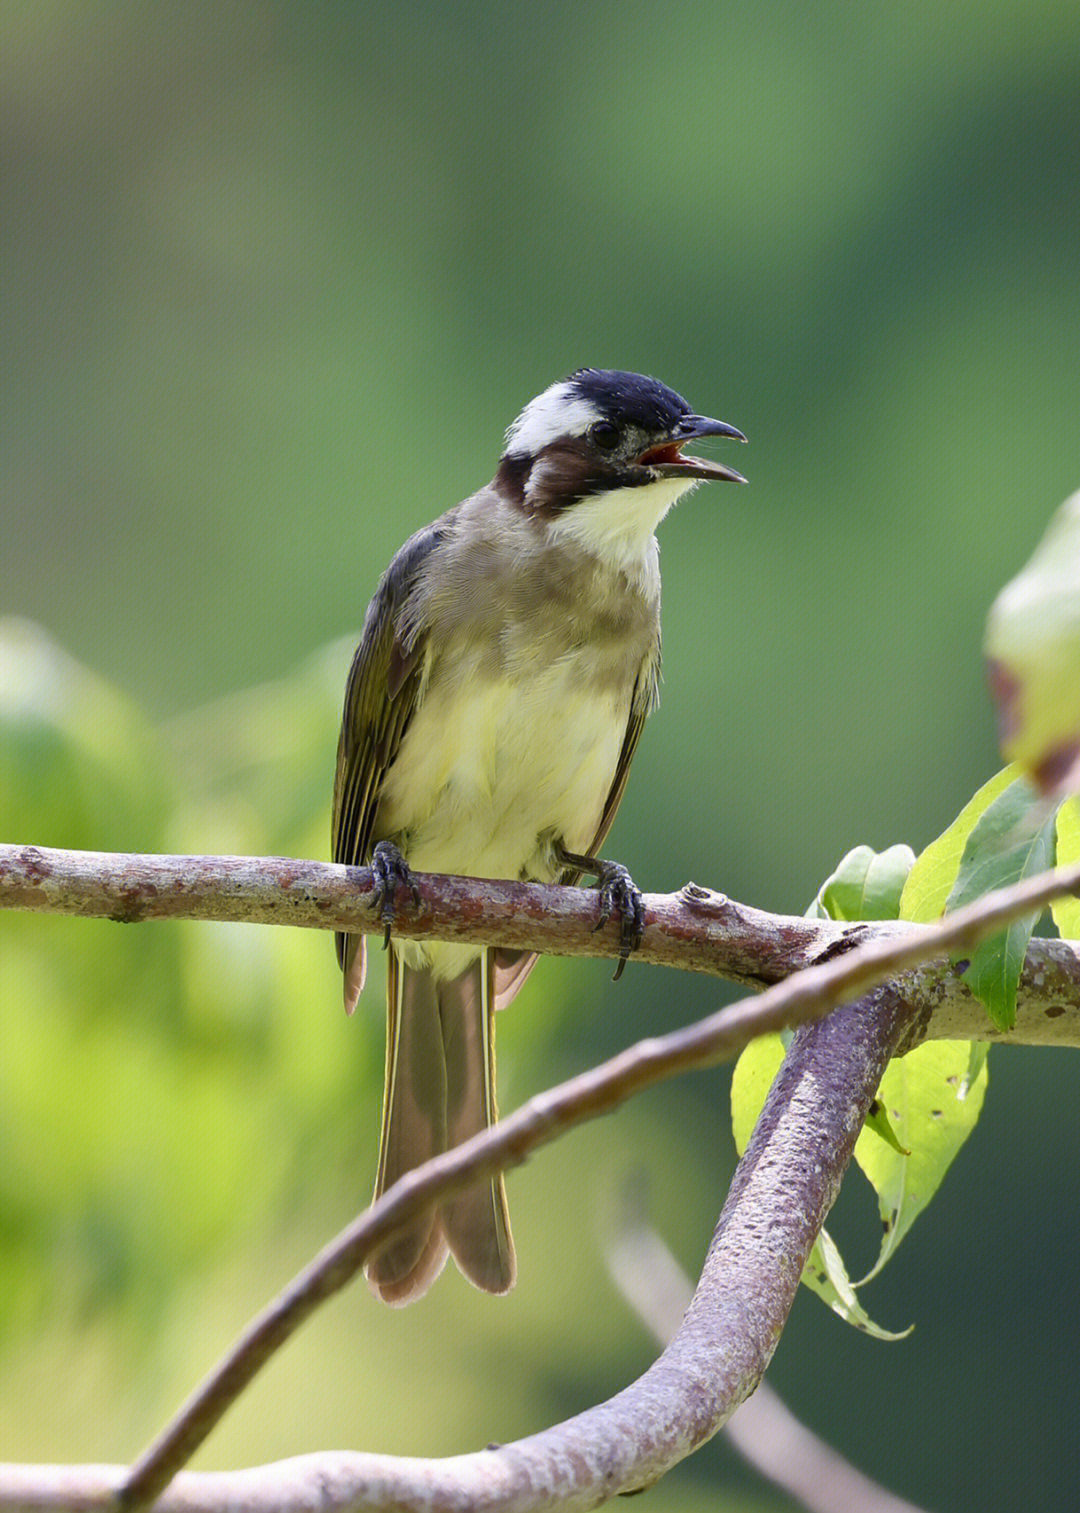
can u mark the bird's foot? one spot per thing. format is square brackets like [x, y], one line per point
[390, 869]
[619, 894]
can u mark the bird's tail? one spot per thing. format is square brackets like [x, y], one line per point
[440, 1090]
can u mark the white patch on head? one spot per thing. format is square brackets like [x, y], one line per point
[618, 526]
[558, 411]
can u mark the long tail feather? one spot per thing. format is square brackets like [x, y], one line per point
[476, 1222]
[413, 1128]
[440, 1090]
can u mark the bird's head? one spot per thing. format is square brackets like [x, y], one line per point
[600, 454]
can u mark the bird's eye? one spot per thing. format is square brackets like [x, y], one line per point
[605, 433]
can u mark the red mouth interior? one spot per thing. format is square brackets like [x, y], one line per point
[669, 452]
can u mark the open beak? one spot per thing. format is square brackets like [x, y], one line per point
[669, 462]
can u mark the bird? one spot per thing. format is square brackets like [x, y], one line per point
[508, 661]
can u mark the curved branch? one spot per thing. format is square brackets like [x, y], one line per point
[695, 929]
[801, 999]
[783, 1188]
[763, 1430]
[782, 1191]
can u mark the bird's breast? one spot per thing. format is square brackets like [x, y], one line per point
[499, 761]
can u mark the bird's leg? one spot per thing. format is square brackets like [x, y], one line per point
[390, 869]
[618, 894]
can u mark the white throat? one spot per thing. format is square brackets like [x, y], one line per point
[618, 527]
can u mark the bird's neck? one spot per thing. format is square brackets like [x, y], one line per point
[618, 527]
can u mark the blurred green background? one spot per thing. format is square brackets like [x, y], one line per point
[275, 278]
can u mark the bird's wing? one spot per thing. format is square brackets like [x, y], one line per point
[642, 703]
[380, 697]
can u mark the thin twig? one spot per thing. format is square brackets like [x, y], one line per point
[801, 999]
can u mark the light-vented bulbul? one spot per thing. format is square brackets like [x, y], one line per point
[509, 659]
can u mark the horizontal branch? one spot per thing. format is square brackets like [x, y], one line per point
[695, 929]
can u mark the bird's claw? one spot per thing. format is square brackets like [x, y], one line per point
[390, 869]
[619, 894]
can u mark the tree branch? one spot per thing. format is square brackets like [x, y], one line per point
[808, 996]
[763, 1430]
[783, 1188]
[782, 1191]
[694, 929]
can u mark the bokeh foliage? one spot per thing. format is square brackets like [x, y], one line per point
[275, 277]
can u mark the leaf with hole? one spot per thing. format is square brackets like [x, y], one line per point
[933, 1103]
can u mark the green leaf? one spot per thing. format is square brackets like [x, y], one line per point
[929, 1100]
[931, 879]
[978, 1051]
[754, 1074]
[866, 884]
[1066, 911]
[1033, 650]
[826, 1274]
[933, 1097]
[877, 1122]
[1012, 839]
